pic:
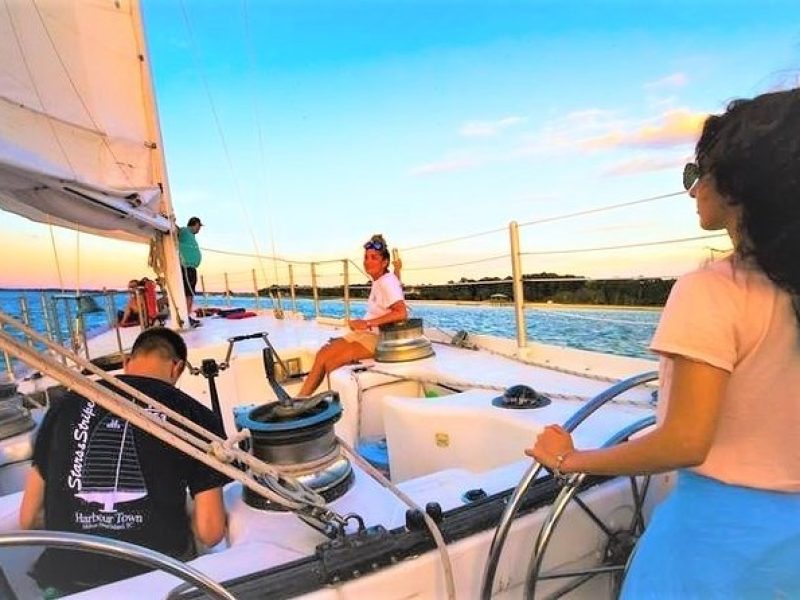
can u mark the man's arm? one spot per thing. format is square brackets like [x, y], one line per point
[31, 511]
[209, 518]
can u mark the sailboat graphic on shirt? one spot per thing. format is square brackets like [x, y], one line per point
[113, 475]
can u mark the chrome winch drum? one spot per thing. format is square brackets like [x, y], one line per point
[17, 434]
[403, 341]
[304, 445]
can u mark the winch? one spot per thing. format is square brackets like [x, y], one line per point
[403, 341]
[17, 432]
[298, 439]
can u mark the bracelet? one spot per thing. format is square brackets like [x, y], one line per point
[557, 468]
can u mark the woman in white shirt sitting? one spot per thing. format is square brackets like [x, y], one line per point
[385, 305]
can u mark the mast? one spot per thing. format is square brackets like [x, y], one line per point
[167, 243]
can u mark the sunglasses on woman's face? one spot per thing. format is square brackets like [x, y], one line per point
[691, 173]
[374, 245]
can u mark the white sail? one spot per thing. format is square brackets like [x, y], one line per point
[78, 140]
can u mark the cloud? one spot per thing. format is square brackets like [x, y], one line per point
[642, 164]
[673, 128]
[590, 129]
[447, 165]
[674, 80]
[488, 128]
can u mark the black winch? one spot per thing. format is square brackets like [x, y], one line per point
[521, 396]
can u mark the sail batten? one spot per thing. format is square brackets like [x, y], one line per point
[76, 139]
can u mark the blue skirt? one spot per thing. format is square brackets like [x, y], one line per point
[708, 539]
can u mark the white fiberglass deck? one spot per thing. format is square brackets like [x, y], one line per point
[439, 448]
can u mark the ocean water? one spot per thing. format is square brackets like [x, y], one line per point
[625, 332]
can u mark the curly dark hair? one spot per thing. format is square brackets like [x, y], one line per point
[753, 152]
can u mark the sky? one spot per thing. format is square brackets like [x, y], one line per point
[299, 128]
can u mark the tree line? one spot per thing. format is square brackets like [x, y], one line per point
[551, 287]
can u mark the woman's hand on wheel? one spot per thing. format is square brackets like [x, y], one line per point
[552, 442]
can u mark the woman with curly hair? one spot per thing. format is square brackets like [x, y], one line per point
[729, 410]
[385, 305]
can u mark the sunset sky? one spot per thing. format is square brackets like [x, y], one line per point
[302, 127]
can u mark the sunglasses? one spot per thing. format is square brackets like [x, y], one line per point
[374, 245]
[691, 173]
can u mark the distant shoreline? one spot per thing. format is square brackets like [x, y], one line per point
[547, 305]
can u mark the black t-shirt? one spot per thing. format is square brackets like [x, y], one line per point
[105, 477]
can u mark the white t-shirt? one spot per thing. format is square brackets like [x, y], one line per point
[386, 290]
[736, 319]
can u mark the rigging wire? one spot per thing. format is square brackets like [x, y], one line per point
[625, 246]
[501, 229]
[591, 211]
[570, 251]
[262, 154]
[221, 133]
[459, 264]
[546, 220]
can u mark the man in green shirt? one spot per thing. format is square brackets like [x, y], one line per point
[190, 260]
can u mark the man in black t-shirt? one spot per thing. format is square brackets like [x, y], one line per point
[95, 473]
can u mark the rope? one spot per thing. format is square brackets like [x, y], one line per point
[466, 384]
[556, 395]
[78, 263]
[55, 254]
[156, 260]
[436, 533]
[177, 434]
[223, 451]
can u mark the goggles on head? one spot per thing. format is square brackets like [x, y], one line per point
[375, 245]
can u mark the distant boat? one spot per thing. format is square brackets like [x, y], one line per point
[499, 299]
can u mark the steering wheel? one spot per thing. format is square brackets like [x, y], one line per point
[118, 549]
[500, 534]
[618, 543]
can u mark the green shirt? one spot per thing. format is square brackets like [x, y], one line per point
[188, 248]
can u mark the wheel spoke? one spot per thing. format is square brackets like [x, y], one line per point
[583, 572]
[618, 543]
[582, 577]
[593, 517]
[637, 522]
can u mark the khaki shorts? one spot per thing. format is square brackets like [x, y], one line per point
[366, 338]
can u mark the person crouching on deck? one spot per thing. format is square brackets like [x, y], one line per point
[385, 305]
[94, 473]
